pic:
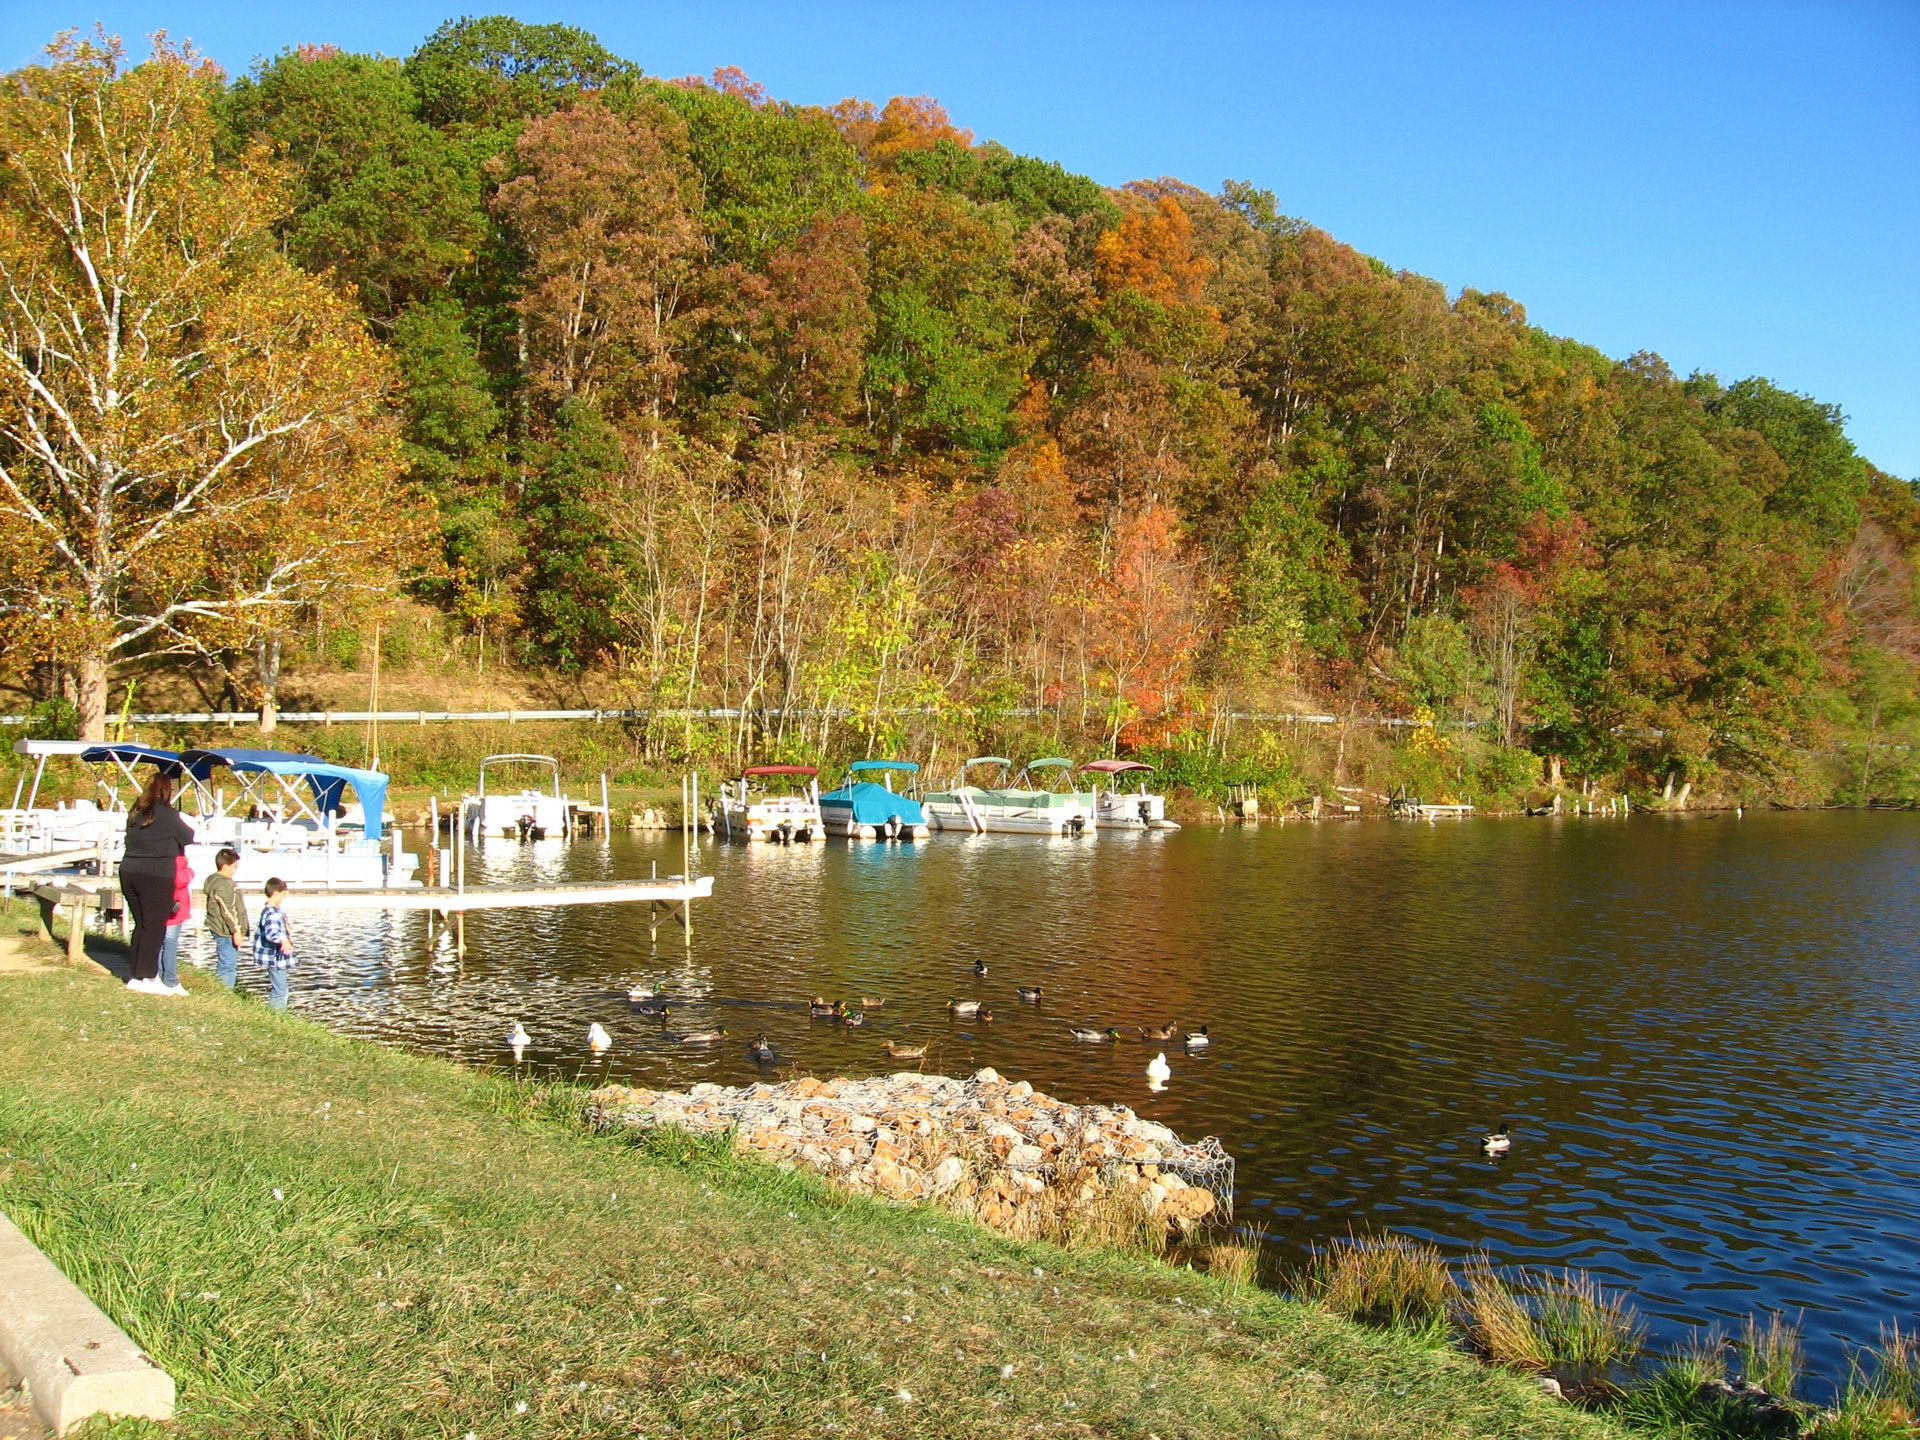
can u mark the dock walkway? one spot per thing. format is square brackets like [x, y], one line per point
[670, 889]
[670, 897]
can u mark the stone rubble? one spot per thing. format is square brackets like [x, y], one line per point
[998, 1151]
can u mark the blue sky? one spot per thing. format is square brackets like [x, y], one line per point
[1736, 186]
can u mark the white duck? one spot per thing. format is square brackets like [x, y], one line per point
[1158, 1071]
[598, 1038]
[518, 1037]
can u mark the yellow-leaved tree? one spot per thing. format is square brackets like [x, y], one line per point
[196, 437]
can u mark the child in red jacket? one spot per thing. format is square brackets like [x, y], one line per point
[182, 912]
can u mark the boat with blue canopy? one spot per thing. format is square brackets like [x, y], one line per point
[29, 828]
[862, 809]
[287, 815]
[290, 818]
[1029, 805]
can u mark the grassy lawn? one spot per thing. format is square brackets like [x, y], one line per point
[321, 1238]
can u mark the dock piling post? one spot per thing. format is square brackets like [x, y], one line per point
[460, 879]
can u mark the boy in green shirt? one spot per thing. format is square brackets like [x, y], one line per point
[226, 917]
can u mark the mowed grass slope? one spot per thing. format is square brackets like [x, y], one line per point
[321, 1238]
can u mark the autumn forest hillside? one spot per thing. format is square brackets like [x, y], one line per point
[888, 438]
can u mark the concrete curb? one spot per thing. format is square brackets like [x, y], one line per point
[74, 1360]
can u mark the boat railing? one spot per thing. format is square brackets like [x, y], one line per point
[546, 762]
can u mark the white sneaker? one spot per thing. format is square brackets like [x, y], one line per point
[174, 989]
[144, 987]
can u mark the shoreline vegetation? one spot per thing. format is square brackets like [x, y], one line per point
[317, 1235]
[1348, 761]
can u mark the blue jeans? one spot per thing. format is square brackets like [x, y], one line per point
[170, 956]
[277, 986]
[226, 960]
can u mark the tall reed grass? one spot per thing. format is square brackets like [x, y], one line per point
[1882, 1395]
[1585, 1325]
[1114, 1219]
[1385, 1280]
[1564, 1319]
[1498, 1321]
[1775, 1357]
[1238, 1261]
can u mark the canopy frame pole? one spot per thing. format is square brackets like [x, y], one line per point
[305, 808]
[249, 794]
[127, 770]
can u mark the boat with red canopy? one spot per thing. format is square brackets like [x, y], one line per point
[1117, 808]
[750, 807]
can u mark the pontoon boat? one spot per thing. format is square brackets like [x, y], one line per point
[746, 809]
[862, 810]
[1117, 809]
[527, 814]
[1017, 809]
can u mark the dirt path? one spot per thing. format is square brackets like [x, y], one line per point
[17, 1420]
[22, 947]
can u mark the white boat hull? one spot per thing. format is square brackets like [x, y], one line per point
[1138, 811]
[545, 816]
[838, 820]
[362, 865]
[40, 831]
[781, 820]
[1005, 819]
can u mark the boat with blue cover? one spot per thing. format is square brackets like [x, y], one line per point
[865, 810]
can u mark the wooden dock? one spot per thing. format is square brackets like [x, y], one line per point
[670, 898]
[447, 900]
[12, 863]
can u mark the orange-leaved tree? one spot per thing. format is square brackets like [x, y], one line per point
[604, 206]
[1149, 622]
[194, 434]
[909, 122]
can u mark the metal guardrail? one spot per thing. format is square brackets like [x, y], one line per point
[348, 717]
[511, 717]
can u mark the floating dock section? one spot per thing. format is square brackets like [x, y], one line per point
[669, 897]
[673, 890]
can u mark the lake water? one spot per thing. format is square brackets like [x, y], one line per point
[1704, 1030]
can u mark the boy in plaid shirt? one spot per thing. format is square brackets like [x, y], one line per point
[273, 944]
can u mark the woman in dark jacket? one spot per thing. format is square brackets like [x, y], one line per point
[157, 835]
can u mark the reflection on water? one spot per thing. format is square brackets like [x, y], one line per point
[1705, 1031]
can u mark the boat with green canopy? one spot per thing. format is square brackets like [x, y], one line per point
[1040, 800]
